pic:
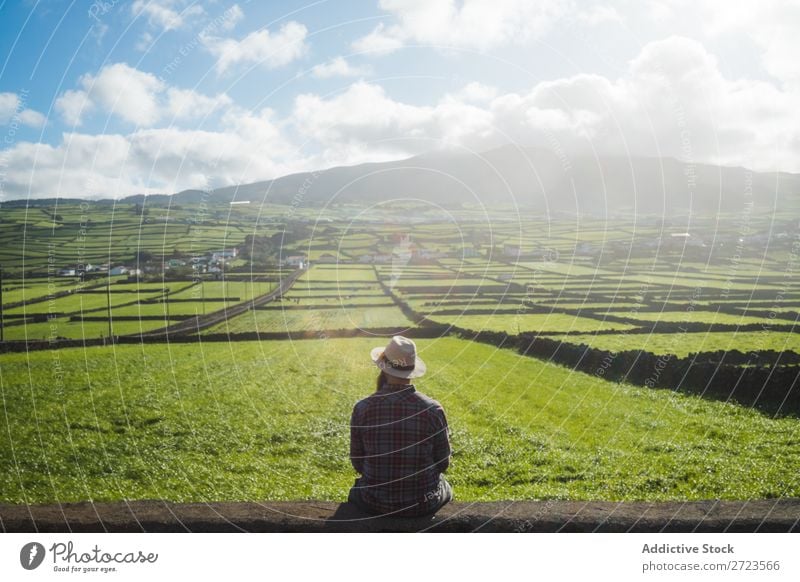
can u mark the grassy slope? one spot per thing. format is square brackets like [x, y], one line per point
[269, 420]
[545, 322]
[683, 344]
[317, 320]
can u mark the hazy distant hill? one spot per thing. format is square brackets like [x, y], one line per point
[533, 178]
[528, 178]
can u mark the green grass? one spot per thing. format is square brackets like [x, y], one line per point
[695, 316]
[589, 305]
[513, 324]
[160, 309]
[62, 327]
[15, 291]
[682, 344]
[337, 301]
[243, 290]
[281, 320]
[402, 282]
[81, 302]
[269, 421]
[343, 274]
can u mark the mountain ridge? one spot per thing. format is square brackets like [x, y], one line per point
[512, 176]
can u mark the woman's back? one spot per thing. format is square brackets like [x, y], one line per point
[399, 443]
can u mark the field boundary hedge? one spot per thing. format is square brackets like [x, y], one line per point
[763, 382]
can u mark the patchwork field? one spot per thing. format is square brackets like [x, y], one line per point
[231, 422]
[211, 415]
[683, 344]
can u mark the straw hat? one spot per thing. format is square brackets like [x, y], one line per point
[399, 358]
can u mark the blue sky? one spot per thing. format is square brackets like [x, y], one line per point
[109, 98]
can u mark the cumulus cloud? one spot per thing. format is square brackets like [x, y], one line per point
[166, 14]
[477, 93]
[134, 96]
[338, 67]
[126, 92]
[380, 41]
[771, 25]
[473, 24]
[231, 17]
[673, 101]
[269, 49]
[12, 108]
[145, 42]
[150, 160]
[365, 119]
[598, 14]
[72, 105]
[188, 104]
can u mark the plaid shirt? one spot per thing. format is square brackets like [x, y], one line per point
[399, 443]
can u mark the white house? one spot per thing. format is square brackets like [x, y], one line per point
[429, 254]
[298, 261]
[225, 254]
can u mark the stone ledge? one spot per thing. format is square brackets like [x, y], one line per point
[779, 515]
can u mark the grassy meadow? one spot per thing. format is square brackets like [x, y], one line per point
[220, 419]
[269, 420]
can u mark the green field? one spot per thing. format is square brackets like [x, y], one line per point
[221, 419]
[524, 322]
[229, 422]
[683, 344]
[693, 316]
[63, 327]
[316, 319]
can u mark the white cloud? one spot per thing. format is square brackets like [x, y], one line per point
[598, 14]
[12, 109]
[126, 92]
[9, 103]
[150, 160]
[363, 113]
[472, 24]
[379, 41]
[166, 14]
[768, 27]
[135, 96]
[364, 119]
[271, 50]
[72, 105]
[231, 17]
[673, 101]
[338, 67]
[188, 104]
[32, 118]
[477, 93]
[145, 42]
[773, 26]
